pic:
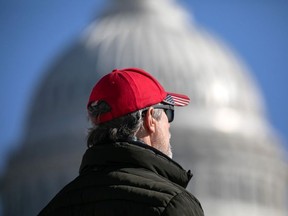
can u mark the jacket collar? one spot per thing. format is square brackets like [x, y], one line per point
[134, 154]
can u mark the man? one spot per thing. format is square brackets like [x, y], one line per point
[128, 168]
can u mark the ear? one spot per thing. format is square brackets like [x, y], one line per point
[149, 121]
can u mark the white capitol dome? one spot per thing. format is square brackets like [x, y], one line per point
[223, 136]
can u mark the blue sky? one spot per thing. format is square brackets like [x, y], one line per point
[33, 33]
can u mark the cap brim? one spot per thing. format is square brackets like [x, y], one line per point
[177, 99]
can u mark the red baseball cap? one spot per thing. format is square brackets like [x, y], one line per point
[128, 90]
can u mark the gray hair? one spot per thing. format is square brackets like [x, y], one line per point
[122, 128]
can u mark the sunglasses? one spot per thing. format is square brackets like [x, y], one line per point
[168, 109]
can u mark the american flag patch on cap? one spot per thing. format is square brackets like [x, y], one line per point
[177, 99]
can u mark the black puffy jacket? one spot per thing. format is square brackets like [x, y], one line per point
[129, 179]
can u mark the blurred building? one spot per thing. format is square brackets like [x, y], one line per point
[223, 136]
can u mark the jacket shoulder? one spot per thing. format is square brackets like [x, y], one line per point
[184, 204]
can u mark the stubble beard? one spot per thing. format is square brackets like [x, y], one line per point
[164, 145]
[169, 150]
